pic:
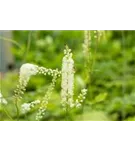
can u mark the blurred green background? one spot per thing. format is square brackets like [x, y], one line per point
[111, 93]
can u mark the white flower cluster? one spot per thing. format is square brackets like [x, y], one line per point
[26, 107]
[26, 71]
[67, 83]
[46, 98]
[51, 72]
[2, 100]
[81, 98]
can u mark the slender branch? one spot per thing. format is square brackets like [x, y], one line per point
[17, 109]
[28, 46]
[12, 41]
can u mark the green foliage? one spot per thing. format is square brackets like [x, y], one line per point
[92, 116]
[111, 91]
[100, 98]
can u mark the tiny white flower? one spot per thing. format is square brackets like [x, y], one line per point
[84, 90]
[2, 100]
[72, 105]
[78, 105]
[28, 106]
[25, 107]
[81, 98]
[37, 101]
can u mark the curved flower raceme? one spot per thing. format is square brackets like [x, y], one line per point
[26, 71]
[44, 102]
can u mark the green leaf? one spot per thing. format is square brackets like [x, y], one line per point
[93, 116]
[100, 98]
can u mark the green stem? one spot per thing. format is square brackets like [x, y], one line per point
[87, 60]
[28, 46]
[17, 109]
[89, 65]
[67, 113]
[94, 55]
[124, 73]
[7, 113]
[12, 41]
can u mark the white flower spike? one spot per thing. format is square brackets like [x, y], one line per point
[67, 83]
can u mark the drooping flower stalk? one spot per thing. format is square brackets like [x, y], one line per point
[26, 71]
[51, 72]
[44, 102]
[67, 83]
[46, 98]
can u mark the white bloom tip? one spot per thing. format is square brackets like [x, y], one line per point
[28, 69]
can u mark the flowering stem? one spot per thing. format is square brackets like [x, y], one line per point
[87, 56]
[46, 98]
[87, 61]
[94, 59]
